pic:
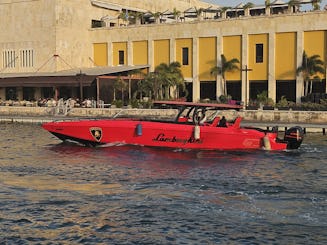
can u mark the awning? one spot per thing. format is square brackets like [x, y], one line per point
[117, 7]
[72, 77]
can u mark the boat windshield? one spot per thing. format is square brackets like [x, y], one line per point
[196, 113]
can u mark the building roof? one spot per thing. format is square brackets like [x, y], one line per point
[278, 2]
[72, 77]
[117, 7]
[93, 71]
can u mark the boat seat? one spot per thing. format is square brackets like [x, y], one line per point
[237, 122]
[215, 122]
[183, 119]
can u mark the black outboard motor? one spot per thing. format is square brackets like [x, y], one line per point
[294, 137]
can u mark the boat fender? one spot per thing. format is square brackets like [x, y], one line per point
[266, 143]
[197, 132]
[139, 129]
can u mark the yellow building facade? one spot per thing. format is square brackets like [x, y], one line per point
[271, 53]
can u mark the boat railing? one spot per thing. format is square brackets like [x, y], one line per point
[118, 113]
[63, 107]
[60, 107]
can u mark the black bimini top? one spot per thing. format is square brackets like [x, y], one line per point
[203, 105]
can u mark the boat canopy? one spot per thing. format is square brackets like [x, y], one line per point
[192, 104]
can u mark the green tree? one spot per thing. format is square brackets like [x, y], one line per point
[176, 13]
[132, 73]
[136, 17]
[293, 5]
[247, 7]
[316, 4]
[156, 16]
[223, 11]
[158, 84]
[121, 86]
[150, 86]
[145, 86]
[170, 76]
[226, 66]
[198, 12]
[123, 16]
[309, 70]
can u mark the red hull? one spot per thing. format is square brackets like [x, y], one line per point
[165, 134]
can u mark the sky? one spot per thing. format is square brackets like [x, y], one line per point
[233, 3]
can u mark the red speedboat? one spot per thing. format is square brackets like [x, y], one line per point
[196, 126]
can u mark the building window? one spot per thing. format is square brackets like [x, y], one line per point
[185, 56]
[27, 58]
[9, 59]
[98, 23]
[11, 93]
[121, 57]
[259, 53]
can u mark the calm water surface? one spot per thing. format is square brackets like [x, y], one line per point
[55, 193]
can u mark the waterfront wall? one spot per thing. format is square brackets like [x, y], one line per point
[289, 116]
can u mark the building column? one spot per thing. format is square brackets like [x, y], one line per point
[129, 53]
[151, 55]
[110, 54]
[172, 50]
[3, 93]
[196, 82]
[326, 68]
[299, 53]
[271, 67]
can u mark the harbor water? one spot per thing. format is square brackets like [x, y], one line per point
[64, 193]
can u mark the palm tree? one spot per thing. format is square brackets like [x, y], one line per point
[316, 4]
[137, 17]
[226, 66]
[267, 5]
[124, 16]
[176, 13]
[293, 5]
[131, 73]
[309, 68]
[120, 85]
[145, 86]
[198, 13]
[247, 7]
[157, 84]
[223, 11]
[156, 16]
[170, 76]
[150, 86]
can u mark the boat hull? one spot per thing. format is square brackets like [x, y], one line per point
[164, 134]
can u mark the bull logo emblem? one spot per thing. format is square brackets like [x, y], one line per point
[96, 133]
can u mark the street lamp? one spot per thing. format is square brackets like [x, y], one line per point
[79, 77]
[246, 69]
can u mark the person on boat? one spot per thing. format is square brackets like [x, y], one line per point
[222, 122]
[199, 116]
